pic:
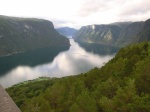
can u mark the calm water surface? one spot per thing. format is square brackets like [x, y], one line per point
[58, 62]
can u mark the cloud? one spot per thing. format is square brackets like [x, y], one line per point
[60, 23]
[123, 8]
[89, 7]
[109, 11]
[64, 22]
[76, 13]
[134, 10]
[134, 7]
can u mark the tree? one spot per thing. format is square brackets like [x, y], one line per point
[84, 103]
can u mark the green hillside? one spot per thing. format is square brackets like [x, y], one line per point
[122, 85]
[22, 34]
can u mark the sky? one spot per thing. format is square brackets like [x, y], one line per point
[77, 13]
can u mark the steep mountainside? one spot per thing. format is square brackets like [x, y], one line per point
[129, 32]
[66, 31]
[122, 85]
[106, 34]
[144, 34]
[118, 34]
[22, 34]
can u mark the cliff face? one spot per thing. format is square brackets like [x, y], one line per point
[144, 34]
[119, 34]
[22, 34]
[129, 32]
[106, 34]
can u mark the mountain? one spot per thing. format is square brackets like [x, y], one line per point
[129, 32]
[121, 85]
[106, 34]
[118, 34]
[66, 31]
[121, 24]
[22, 34]
[144, 34]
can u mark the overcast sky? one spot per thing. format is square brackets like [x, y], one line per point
[76, 13]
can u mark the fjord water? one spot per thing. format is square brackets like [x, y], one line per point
[53, 62]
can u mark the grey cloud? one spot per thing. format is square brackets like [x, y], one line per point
[120, 8]
[134, 8]
[106, 11]
[92, 6]
[59, 23]
[62, 23]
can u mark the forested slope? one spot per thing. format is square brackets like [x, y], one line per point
[122, 85]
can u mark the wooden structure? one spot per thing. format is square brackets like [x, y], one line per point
[6, 103]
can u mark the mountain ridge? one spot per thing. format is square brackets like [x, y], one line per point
[22, 34]
[121, 34]
[144, 34]
[66, 31]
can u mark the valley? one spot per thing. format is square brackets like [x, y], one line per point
[121, 85]
[98, 68]
[53, 62]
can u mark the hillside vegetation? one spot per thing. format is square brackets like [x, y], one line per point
[23, 34]
[122, 85]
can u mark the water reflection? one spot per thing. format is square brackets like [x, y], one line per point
[101, 49]
[30, 58]
[74, 61]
